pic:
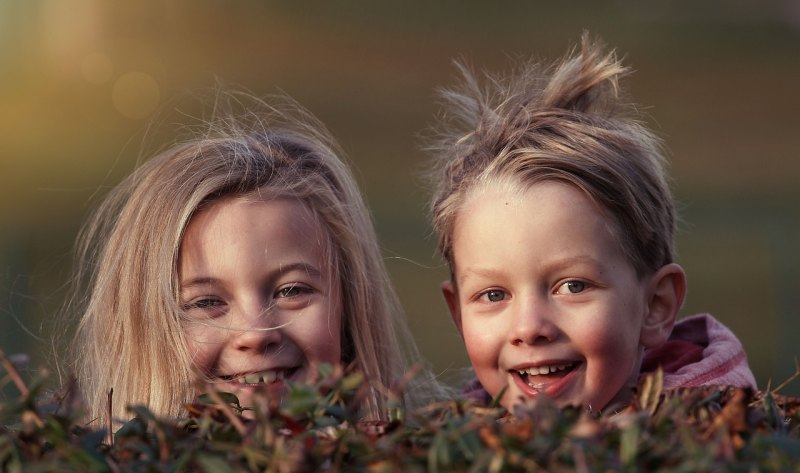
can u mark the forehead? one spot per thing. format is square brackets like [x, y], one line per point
[270, 213]
[546, 219]
[232, 226]
[534, 197]
[547, 198]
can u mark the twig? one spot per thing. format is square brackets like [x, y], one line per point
[580, 459]
[29, 414]
[226, 409]
[791, 378]
[496, 400]
[14, 374]
[109, 427]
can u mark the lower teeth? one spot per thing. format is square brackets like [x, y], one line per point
[537, 386]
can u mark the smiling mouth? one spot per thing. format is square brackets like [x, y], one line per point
[538, 377]
[260, 377]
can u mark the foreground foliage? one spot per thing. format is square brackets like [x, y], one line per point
[317, 428]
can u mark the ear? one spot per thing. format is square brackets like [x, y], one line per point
[450, 293]
[665, 295]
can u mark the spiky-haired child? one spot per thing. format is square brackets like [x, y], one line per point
[552, 209]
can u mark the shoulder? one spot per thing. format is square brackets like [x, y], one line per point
[700, 351]
[473, 391]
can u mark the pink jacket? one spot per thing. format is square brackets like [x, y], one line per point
[700, 351]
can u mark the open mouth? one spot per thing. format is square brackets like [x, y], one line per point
[260, 377]
[539, 377]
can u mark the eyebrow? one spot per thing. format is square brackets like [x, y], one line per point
[575, 260]
[469, 273]
[491, 273]
[301, 266]
[199, 281]
[307, 268]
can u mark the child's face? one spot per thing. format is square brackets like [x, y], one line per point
[544, 298]
[260, 301]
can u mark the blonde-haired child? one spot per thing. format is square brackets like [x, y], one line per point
[245, 256]
[553, 211]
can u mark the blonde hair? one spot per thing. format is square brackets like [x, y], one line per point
[129, 335]
[566, 123]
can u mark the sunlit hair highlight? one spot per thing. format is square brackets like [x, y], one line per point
[569, 123]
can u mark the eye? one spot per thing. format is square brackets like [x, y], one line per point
[493, 295]
[292, 290]
[572, 286]
[204, 303]
[293, 296]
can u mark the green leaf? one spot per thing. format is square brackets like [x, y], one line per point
[133, 428]
[227, 397]
[213, 464]
[325, 370]
[302, 399]
[496, 400]
[629, 445]
[352, 382]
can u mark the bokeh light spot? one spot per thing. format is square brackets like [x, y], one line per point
[136, 94]
[97, 68]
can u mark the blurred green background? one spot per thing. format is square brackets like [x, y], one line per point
[87, 87]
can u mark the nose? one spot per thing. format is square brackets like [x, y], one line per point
[257, 331]
[533, 323]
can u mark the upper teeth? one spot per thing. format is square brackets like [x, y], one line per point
[268, 376]
[534, 370]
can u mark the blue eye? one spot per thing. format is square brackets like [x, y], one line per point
[571, 287]
[494, 295]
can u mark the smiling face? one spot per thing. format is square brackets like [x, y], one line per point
[260, 302]
[545, 299]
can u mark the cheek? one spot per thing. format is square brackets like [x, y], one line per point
[483, 344]
[611, 331]
[204, 348]
[608, 344]
[613, 357]
[327, 348]
[611, 353]
[319, 338]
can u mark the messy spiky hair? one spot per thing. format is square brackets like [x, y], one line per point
[568, 123]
